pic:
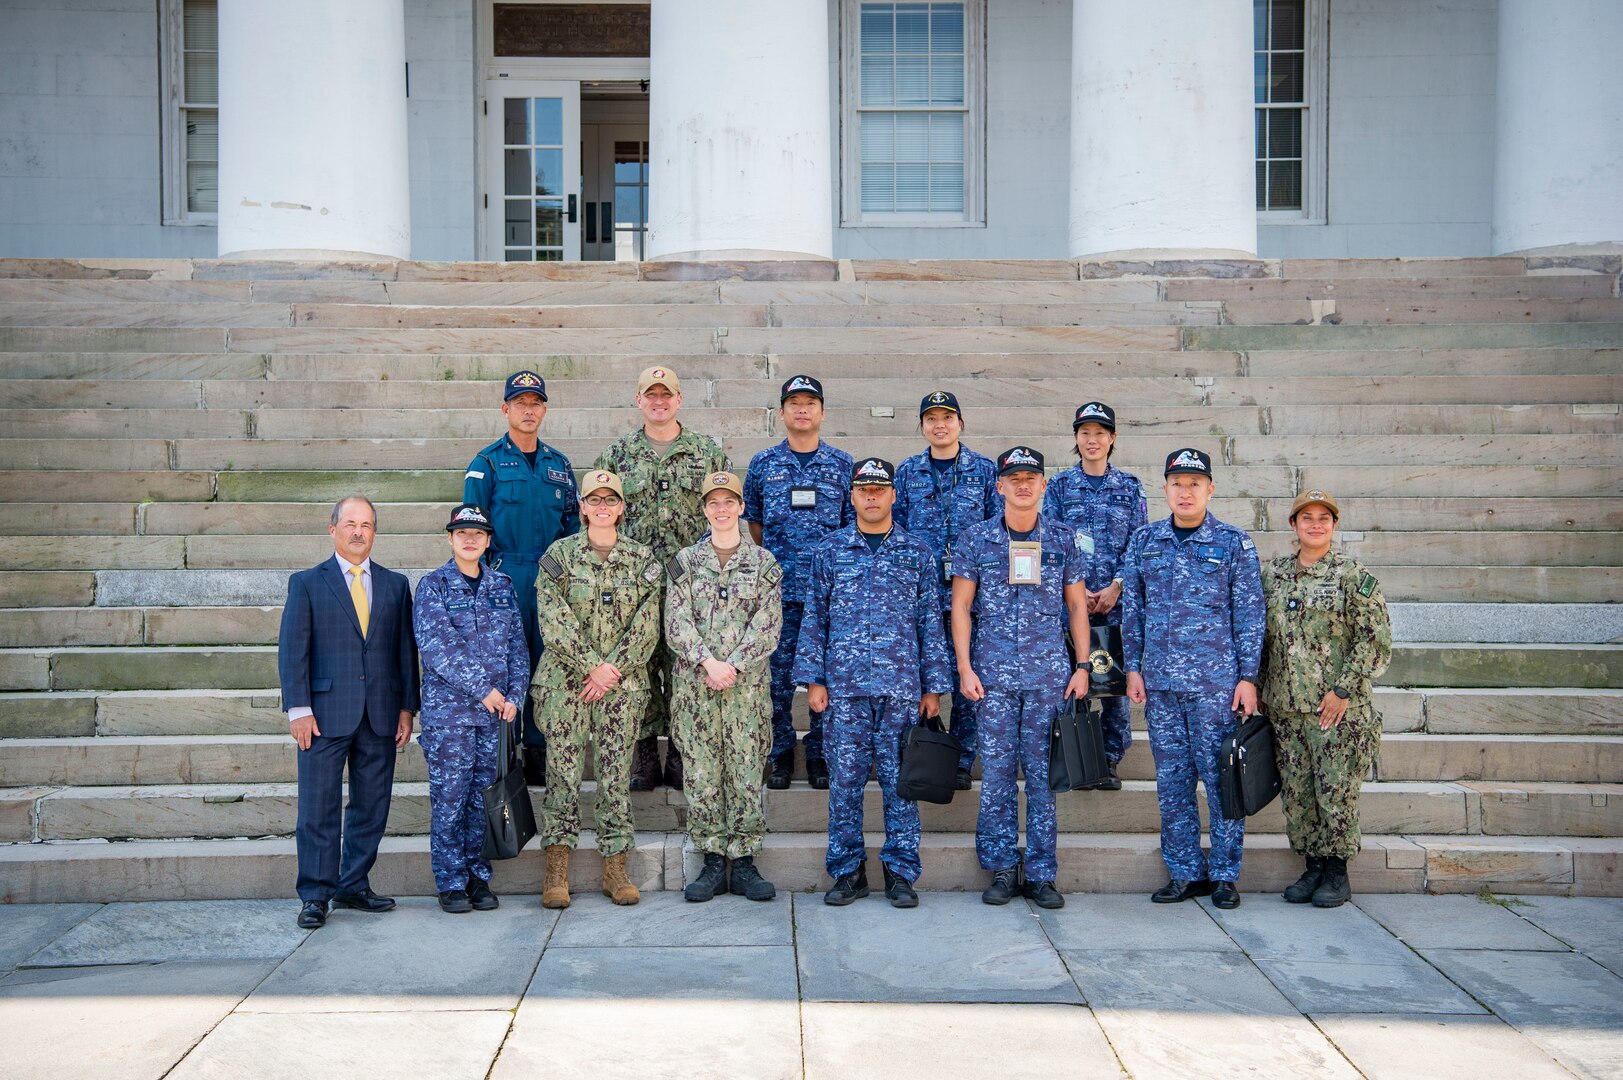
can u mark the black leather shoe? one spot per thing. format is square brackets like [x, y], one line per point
[783, 770]
[1111, 782]
[480, 896]
[1225, 895]
[817, 774]
[1043, 894]
[455, 902]
[1335, 889]
[1300, 891]
[313, 915]
[365, 900]
[962, 781]
[1177, 891]
[848, 888]
[1002, 888]
[899, 891]
[535, 766]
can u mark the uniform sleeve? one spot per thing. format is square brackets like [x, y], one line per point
[848, 513]
[1076, 565]
[1132, 605]
[1369, 647]
[752, 492]
[811, 649]
[518, 652]
[607, 459]
[901, 511]
[963, 561]
[1141, 511]
[479, 484]
[681, 629]
[935, 672]
[411, 678]
[760, 640]
[1053, 499]
[1247, 609]
[570, 523]
[444, 651]
[637, 645]
[560, 629]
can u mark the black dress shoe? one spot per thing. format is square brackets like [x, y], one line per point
[455, 902]
[962, 781]
[1043, 894]
[313, 915]
[1177, 891]
[1225, 895]
[1002, 888]
[365, 900]
[480, 896]
[899, 891]
[1111, 782]
[849, 887]
[783, 770]
[817, 774]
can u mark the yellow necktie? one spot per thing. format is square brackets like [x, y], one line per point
[357, 593]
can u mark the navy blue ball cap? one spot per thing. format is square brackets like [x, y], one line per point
[525, 382]
[469, 516]
[1019, 459]
[1188, 460]
[1095, 412]
[800, 384]
[873, 472]
[939, 399]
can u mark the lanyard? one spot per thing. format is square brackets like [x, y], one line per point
[952, 489]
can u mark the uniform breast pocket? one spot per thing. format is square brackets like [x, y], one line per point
[578, 593]
[509, 489]
[1208, 585]
[634, 482]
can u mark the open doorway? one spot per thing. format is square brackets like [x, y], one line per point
[614, 170]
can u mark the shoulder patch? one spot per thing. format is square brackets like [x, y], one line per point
[473, 474]
[1366, 584]
[676, 569]
[651, 573]
[552, 567]
[1246, 544]
[772, 574]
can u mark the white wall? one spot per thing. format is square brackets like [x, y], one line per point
[441, 123]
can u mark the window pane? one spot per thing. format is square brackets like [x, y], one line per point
[555, 255]
[912, 188]
[912, 137]
[516, 224]
[549, 223]
[1286, 77]
[947, 80]
[912, 80]
[1262, 185]
[878, 183]
[947, 28]
[1286, 25]
[912, 28]
[202, 78]
[1259, 24]
[200, 25]
[947, 188]
[1284, 133]
[1285, 185]
[878, 80]
[549, 172]
[627, 205]
[878, 136]
[947, 137]
[1259, 77]
[517, 169]
[202, 135]
[1260, 140]
[513, 125]
[203, 187]
[876, 29]
[518, 254]
[548, 127]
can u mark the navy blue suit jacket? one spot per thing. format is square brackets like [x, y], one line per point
[327, 666]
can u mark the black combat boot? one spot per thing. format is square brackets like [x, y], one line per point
[899, 891]
[746, 880]
[1043, 894]
[480, 896]
[962, 780]
[645, 772]
[849, 887]
[673, 767]
[1302, 891]
[783, 770]
[1335, 890]
[817, 774]
[1005, 883]
[710, 879]
[1178, 890]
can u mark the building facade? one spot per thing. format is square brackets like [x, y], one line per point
[480, 129]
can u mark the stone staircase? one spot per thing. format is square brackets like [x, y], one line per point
[172, 432]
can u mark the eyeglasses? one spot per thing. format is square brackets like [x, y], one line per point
[602, 500]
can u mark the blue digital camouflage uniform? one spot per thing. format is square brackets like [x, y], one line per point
[472, 642]
[939, 510]
[789, 532]
[871, 633]
[530, 508]
[1018, 652]
[1106, 519]
[1192, 625]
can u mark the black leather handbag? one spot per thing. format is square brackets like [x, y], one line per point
[929, 768]
[1076, 748]
[509, 816]
[1107, 675]
[1248, 774]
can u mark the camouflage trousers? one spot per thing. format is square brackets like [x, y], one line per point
[1186, 732]
[461, 764]
[865, 733]
[724, 739]
[1015, 729]
[569, 723]
[1321, 773]
[656, 715]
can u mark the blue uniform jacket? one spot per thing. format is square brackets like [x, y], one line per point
[1019, 640]
[1106, 519]
[790, 533]
[530, 508]
[1192, 612]
[871, 627]
[471, 643]
[940, 509]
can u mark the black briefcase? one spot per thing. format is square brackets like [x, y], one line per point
[929, 768]
[1248, 774]
[509, 816]
[1076, 748]
[1107, 676]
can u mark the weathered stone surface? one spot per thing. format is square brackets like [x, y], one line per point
[91, 553]
[1388, 312]
[1093, 922]
[298, 552]
[80, 364]
[545, 317]
[189, 712]
[213, 625]
[496, 365]
[964, 270]
[294, 270]
[1377, 288]
[296, 1047]
[166, 668]
[152, 760]
[1436, 336]
[1566, 758]
[986, 313]
[131, 339]
[664, 919]
[153, 933]
[1455, 922]
[1176, 268]
[1531, 808]
[740, 270]
[1419, 664]
[1500, 864]
[17, 813]
[1520, 481]
[98, 269]
[1497, 266]
[27, 928]
[1500, 584]
[40, 716]
[79, 454]
[33, 313]
[123, 290]
[1550, 711]
[1397, 1046]
[508, 271]
[47, 588]
[322, 486]
[191, 588]
[48, 627]
[76, 518]
[25, 670]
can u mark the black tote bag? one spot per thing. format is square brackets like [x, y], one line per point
[509, 816]
[1076, 748]
[929, 768]
[1107, 677]
[1248, 773]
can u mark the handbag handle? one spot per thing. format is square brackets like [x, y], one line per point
[506, 750]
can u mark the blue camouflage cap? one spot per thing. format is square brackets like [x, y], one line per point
[525, 382]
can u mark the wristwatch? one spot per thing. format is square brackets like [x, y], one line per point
[1083, 665]
[1340, 693]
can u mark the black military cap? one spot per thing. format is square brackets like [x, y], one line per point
[801, 384]
[1019, 459]
[1188, 460]
[1095, 412]
[469, 516]
[874, 472]
[939, 399]
[525, 382]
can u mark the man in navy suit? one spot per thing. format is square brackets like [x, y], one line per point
[348, 665]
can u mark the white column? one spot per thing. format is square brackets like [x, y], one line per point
[1558, 162]
[738, 138]
[1162, 129]
[313, 129]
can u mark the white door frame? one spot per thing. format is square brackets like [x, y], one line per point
[493, 180]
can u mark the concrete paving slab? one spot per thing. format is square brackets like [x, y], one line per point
[413, 959]
[1266, 926]
[1398, 1047]
[1454, 922]
[25, 929]
[950, 1042]
[950, 948]
[1586, 923]
[1174, 1015]
[455, 1046]
[1324, 986]
[665, 919]
[658, 973]
[162, 930]
[1090, 922]
[117, 1023]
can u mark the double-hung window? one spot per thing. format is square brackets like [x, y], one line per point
[1288, 61]
[191, 111]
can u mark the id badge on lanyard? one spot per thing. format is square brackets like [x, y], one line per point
[1025, 562]
[946, 569]
[803, 498]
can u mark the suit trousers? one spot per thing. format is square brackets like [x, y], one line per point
[326, 864]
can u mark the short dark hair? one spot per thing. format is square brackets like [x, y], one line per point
[338, 508]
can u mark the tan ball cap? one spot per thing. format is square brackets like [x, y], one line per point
[658, 376]
[597, 480]
[1310, 498]
[721, 481]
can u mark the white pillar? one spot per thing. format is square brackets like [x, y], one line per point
[738, 138]
[1558, 162]
[313, 129]
[1162, 129]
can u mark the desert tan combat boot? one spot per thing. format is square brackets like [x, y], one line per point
[555, 886]
[616, 885]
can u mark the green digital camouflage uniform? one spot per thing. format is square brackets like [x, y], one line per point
[665, 511]
[731, 614]
[1327, 626]
[591, 612]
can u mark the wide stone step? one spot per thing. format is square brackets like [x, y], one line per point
[1402, 289]
[1454, 335]
[47, 589]
[1423, 311]
[1092, 862]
